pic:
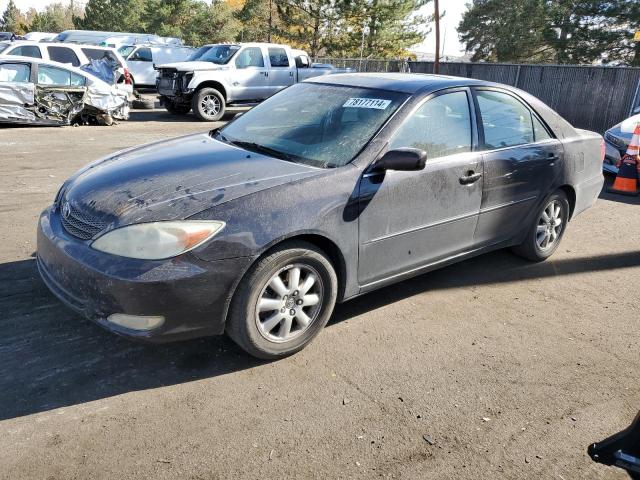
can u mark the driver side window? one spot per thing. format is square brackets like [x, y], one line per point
[440, 127]
[250, 57]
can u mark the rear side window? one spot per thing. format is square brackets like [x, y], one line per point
[3, 47]
[98, 54]
[59, 77]
[506, 121]
[440, 127]
[250, 57]
[278, 57]
[15, 72]
[63, 55]
[27, 51]
[142, 55]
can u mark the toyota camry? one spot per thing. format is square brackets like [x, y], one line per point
[330, 189]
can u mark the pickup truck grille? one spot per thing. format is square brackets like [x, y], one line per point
[171, 82]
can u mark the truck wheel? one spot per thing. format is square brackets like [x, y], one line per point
[176, 108]
[208, 105]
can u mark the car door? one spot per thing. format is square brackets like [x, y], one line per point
[412, 219]
[521, 159]
[17, 91]
[281, 73]
[140, 64]
[250, 79]
[59, 94]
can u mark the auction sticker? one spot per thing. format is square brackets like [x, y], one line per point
[375, 103]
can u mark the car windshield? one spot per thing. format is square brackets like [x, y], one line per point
[198, 53]
[320, 125]
[220, 54]
[125, 50]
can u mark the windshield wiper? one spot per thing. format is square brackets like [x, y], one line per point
[256, 147]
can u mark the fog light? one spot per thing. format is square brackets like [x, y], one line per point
[136, 322]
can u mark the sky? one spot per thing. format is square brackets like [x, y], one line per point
[448, 27]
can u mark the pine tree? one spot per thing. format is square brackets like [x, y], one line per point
[13, 20]
[112, 16]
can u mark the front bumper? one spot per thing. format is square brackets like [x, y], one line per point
[612, 156]
[191, 294]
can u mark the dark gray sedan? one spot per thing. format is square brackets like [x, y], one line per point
[330, 189]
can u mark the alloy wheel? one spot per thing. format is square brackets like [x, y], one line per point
[550, 226]
[210, 105]
[289, 303]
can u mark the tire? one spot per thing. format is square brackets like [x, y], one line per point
[533, 247]
[143, 104]
[263, 334]
[176, 109]
[213, 96]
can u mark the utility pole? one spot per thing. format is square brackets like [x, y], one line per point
[436, 63]
[270, 20]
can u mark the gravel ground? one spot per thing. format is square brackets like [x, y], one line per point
[508, 369]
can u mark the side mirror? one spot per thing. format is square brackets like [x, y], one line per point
[404, 159]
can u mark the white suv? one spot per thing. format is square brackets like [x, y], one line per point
[70, 54]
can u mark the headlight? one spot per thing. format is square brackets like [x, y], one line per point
[158, 240]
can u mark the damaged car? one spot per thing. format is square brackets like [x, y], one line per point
[34, 91]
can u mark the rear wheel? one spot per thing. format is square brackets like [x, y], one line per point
[543, 237]
[283, 302]
[208, 104]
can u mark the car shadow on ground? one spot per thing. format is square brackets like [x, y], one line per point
[51, 357]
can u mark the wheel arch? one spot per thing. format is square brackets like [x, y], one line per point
[213, 84]
[571, 196]
[320, 241]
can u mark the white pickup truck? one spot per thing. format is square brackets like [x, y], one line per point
[221, 75]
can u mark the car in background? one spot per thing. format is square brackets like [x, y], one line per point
[37, 91]
[329, 189]
[141, 60]
[112, 39]
[70, 54]
[224, 75]
[7, 36]
[617, 139]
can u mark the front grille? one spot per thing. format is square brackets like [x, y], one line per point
[81, 224]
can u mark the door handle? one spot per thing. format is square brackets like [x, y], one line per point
[470, 178]
[552, 157]
[266, 74]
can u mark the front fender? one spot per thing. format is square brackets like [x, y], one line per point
[214, 77]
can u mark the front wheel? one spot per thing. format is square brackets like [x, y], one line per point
[543, 237]
[283, 302]
[208, 104]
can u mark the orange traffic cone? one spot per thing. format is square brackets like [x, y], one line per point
[626, 181]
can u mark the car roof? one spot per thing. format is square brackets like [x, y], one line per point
[57, 44]
[398, 82]
[21, 59]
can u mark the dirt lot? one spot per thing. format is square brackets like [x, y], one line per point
[510, 368]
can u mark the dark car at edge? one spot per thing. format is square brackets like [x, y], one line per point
[332, 188]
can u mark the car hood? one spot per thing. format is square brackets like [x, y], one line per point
[174, 179]
[192, 66]
[624, 129]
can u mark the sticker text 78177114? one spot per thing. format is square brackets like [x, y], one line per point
[375, 103]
